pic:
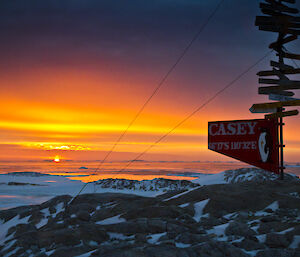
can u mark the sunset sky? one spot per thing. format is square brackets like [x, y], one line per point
[74, 73]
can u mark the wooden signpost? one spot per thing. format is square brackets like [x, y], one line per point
[280, 18]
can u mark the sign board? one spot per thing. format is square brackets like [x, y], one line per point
[282, 98]
[267, 107]
[252, 141]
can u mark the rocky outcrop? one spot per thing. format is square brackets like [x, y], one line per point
[239, 219]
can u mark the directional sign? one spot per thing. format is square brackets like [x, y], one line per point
[293, 84]
[281, 66]
[268, 90]
[278, 73]
[275, 97]
[251, 141]
[282, 114]
[265, 107]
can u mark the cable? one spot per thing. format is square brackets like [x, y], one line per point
[163, 80]
[197, 110]
[160, 84]
[185, 119]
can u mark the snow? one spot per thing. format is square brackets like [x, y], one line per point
[273, 206]
[4, 227]
[199, 207]
[59, 208]
[295, 243]
[42, 223]
[119, 236]
[218, 178]
[155, 237]
[285, 231]
[50, 186]
[219, 231]
[181, 194]
[184, 205]
[182, 245]
[49, 252]
[230, 215]
[86, 254]
[261, 238]
[111, 220]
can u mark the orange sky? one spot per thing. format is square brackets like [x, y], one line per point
[72, 80]
[79, 116]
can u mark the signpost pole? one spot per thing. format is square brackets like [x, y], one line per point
[281, 167]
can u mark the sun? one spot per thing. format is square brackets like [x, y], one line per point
[56, 159]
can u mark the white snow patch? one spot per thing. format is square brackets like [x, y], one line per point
[184, 205]
[273, 206]
[182, 245]
[155, 237]
[11, 223]
[219, 230]
[88, 254]
[42, 223]
[111, 220]
[49, 252]
[218, 178]
[46, 212]
[119, 236]
[285, 231]
[230, 215]
[8, 245]
[261, 238]
[59, 208]
[295, 243]
[199, 207]
[181, 194]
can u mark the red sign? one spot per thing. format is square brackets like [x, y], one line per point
[252, 141]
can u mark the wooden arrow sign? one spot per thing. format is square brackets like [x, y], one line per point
[288, 84]
[278, 7]
[276, 97]
[284, 41]
[278, 73]
[274, 28]
[266, 107]
[291, 56]
[276, 19]
[281, 66]
[281, 114]
[267, 91]
[274, 13]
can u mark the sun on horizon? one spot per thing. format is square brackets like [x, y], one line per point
[56, 159]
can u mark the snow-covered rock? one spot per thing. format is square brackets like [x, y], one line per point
[239, 176]
[157, 184]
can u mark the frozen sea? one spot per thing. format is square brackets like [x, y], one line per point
[68, 177]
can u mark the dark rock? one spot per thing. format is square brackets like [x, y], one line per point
[140, 238]
[83, 215]
[278, 253]
[270, 219]
[157, 225]
[249, 245]
[277, 240]
[217, 249]
[239, 229]
[189, 238]
[210, 222]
